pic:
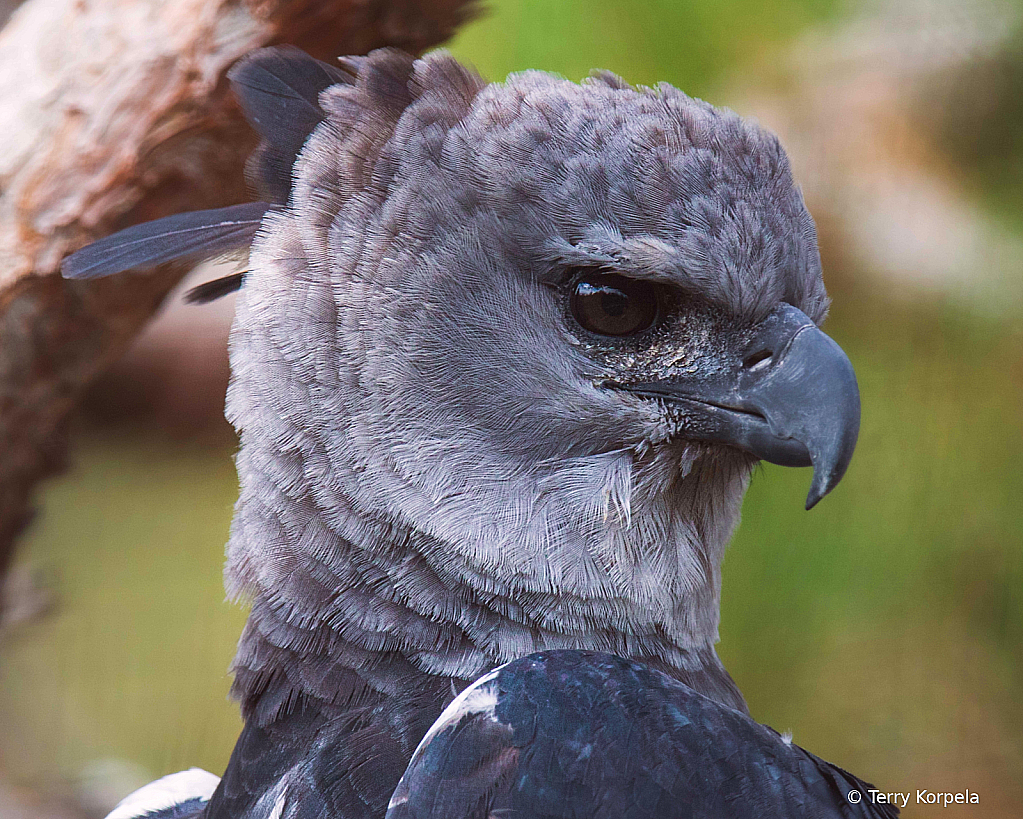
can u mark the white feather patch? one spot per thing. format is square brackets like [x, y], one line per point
[170, 790]
[274, 799]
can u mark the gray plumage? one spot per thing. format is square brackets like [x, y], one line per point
[441, 470]
[426, 464]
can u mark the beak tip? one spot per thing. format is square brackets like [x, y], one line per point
[820, 486]
[824, 480]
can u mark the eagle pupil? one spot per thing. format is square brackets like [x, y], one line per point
[612, 305]
[614, 302]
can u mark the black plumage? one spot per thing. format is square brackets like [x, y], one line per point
[582, 734]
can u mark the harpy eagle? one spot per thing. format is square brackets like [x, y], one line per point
[504, 359]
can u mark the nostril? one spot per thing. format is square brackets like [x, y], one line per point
[757, 360]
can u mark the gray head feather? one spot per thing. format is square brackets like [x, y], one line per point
[432, 478]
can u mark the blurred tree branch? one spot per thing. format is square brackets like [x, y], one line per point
[115, 112]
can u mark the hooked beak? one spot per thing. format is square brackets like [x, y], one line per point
[790, 397]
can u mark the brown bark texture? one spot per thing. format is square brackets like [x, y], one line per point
[114, 112]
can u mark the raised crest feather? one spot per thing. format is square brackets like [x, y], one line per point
[183, 235]
[211, 291]
[278, 89]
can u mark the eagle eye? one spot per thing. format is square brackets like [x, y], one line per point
[609, 304]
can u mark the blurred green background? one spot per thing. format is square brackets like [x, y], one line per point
[884, 628]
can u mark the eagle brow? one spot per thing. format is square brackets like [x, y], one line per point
[645, 258]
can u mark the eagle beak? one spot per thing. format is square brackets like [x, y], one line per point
[788, 397]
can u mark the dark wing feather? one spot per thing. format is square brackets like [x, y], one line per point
[279, 90]
[581, 734]
[195, 234]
